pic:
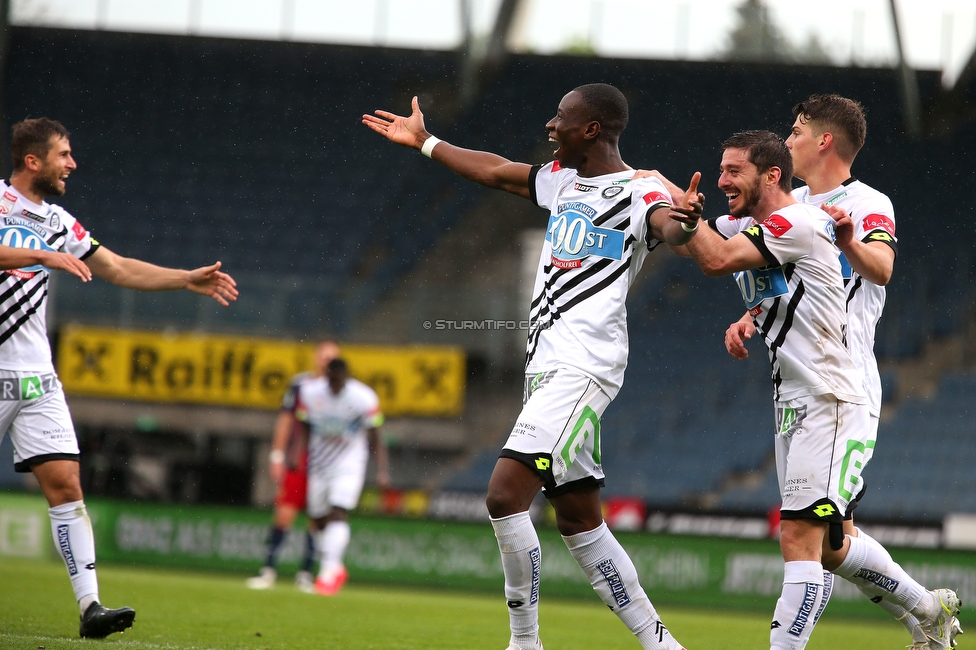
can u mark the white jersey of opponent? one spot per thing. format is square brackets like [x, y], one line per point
[337, 423]
[23, 292]
[797, 302]
[596, 241]
[874, 220]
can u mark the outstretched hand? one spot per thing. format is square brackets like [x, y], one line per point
[70, 263]
[843, 224]
[690, 203]
[408, 131]
[211, 281]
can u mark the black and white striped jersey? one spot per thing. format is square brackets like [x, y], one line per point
[596, 241]
[874, 221]
[797, 302]
[337, 423]
[23, 292]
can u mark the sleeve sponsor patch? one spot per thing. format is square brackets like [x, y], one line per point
[876, 221]
[777, 225]
[656, 197]
[79, 230]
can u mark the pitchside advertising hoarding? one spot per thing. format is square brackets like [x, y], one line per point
[424, 381]
[680, 569]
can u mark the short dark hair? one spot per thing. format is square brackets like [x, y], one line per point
[843, 117]
[766, 150]
[33, 137]
[338, 365]
[606, 105]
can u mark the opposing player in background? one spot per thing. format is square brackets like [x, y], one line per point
[786, 265]
[826, 136]
[37, 237]
[601, 228]
[343, 416]
[288, 467]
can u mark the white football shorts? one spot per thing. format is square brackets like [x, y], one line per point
[339, 484]
[822, 446]
[34, 413]
[557, 434]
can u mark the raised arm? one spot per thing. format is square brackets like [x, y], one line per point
[481, 167]
[143, 276]
[19, 258]
[873, 261]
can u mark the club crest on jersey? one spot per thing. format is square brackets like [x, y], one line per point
[757, 285]
[612, 191]
[573, 237]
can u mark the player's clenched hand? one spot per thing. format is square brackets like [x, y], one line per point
[408, 131]
[843, 224]
[65, 262]
[690, 203]
[211, 281]
[736, 336]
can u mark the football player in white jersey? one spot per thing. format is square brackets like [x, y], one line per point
[288, 467]
[343, 418]
[36, 237]
[788, 271]
[827, 134]
[601, 227]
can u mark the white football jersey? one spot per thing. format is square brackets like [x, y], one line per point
[797, 302]
[337, 423]
[596, 242]
[23, 292]
[874, 220]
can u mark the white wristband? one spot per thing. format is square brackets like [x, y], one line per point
[685, 227]
[276, 456]
[429, 145]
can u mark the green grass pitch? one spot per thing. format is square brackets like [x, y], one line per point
[194, 610]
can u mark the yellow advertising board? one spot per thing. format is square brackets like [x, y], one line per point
[248, 372]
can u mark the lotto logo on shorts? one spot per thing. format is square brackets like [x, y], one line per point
[617, 588]
[542, 464]
[824, 510]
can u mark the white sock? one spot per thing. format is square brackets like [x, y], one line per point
[333, 541]
[74, 540]
[898, 612]
[521, 554]
[614, 577]
[869, 566]
[798, 606]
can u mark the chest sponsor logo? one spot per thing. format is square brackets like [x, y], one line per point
[875, 221]
[35, 217]
[757, 285]
[834, 199]
[612, 191]
[17, 233]
[831, 232]
[777, 225]
[580, 187]
[573, 237]
[845, 267]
